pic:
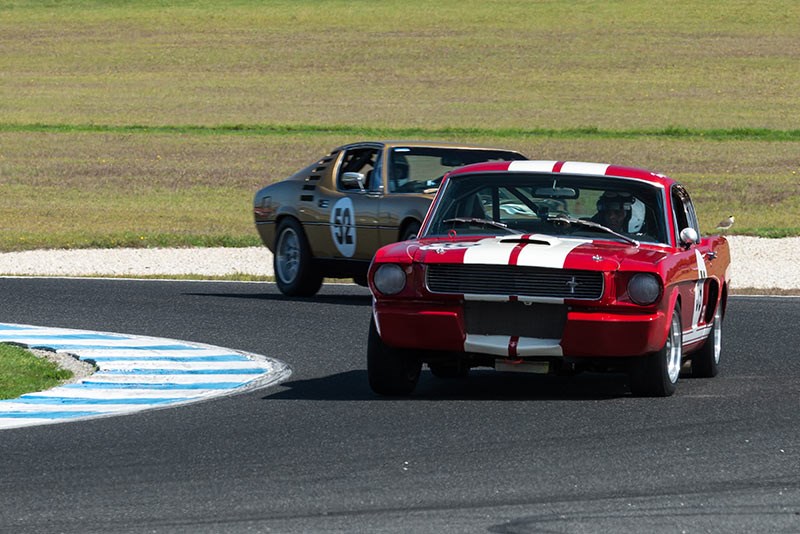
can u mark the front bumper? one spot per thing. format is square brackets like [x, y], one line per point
[589, 333]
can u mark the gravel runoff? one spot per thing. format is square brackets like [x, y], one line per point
[80, 368]
[756, 263]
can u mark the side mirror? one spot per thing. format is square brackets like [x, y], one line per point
[689, 237]
[353, 180]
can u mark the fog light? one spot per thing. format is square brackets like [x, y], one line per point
[390, 279]
[644, 289]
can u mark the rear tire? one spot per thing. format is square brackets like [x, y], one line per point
[656, 374]
[705, 362]
[391, 371]
[295, 272]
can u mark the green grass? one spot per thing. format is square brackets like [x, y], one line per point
[22, 372]
[615, 65]
[152, 123]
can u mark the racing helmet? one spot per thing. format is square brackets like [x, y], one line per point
[399, 170]
[622, 200]
[636, 221]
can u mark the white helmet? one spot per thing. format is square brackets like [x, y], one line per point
[637, 216]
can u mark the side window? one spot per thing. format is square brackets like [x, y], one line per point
[399, 173]
[361, 161]
[376, 178]
[683, 210]
[690, 213]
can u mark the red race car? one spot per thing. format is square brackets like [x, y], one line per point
[551, 267]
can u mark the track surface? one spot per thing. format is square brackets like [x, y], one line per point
[320, 453]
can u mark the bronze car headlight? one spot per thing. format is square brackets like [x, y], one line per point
[644, 289]
[390, 279]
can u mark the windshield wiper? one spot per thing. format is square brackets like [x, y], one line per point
[482, 222]
[592, 224]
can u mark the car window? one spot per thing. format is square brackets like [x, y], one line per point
[532, 204]
[420, 169]
[683, 210]
[357, 160]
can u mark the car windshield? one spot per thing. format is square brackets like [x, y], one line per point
[420, 169]
[581, 206]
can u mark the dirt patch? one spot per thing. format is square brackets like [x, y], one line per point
[80, 369]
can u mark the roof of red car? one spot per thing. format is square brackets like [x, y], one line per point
[566, 167]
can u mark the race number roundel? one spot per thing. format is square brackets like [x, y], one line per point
[343, 227]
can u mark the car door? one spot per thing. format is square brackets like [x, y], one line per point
[694, 290]
[353, 205]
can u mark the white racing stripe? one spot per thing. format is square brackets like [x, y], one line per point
[580, 167]
[523, 346]
[532, 166]
[500, 250]
[696, 334]
[134, 373]
[489, 251]
[553, 255]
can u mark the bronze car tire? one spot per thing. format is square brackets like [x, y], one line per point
[391, 371]
[295, 272]
[410, 231]
[656, 374]
[705, 362]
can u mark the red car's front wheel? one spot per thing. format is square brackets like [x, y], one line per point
[391, 371]
[656, 375]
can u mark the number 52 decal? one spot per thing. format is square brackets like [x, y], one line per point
[343, 227]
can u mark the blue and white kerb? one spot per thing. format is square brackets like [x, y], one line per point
[133, 373]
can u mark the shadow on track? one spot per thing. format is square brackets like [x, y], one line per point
[339, 300]
[481, 385]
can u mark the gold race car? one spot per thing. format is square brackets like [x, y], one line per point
[328, 219]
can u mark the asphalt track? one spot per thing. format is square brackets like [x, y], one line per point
[320, 453]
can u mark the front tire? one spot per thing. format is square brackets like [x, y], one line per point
[656, 374]
[410, 231]
[391, 371]
[705, 362]
[295, 273]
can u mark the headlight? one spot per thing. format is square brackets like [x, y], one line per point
[644, 289]
[390, 279]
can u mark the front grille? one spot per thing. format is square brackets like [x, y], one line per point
[514, 280]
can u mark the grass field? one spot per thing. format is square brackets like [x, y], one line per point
[152, 124]
[22, 372]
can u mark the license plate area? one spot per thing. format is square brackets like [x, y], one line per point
[535, 320]
[522, 366]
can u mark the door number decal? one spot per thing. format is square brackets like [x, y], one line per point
[699, 297]
[343, 227]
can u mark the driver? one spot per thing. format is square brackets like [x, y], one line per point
[399, 172]
[614, 210]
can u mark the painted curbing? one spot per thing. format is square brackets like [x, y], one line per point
[134, 373]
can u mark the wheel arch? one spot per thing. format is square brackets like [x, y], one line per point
[713, 300]
[673, 301]
[724, 300]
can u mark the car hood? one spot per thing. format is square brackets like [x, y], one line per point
[527, 251]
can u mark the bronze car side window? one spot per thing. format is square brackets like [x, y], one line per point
[356, 169]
